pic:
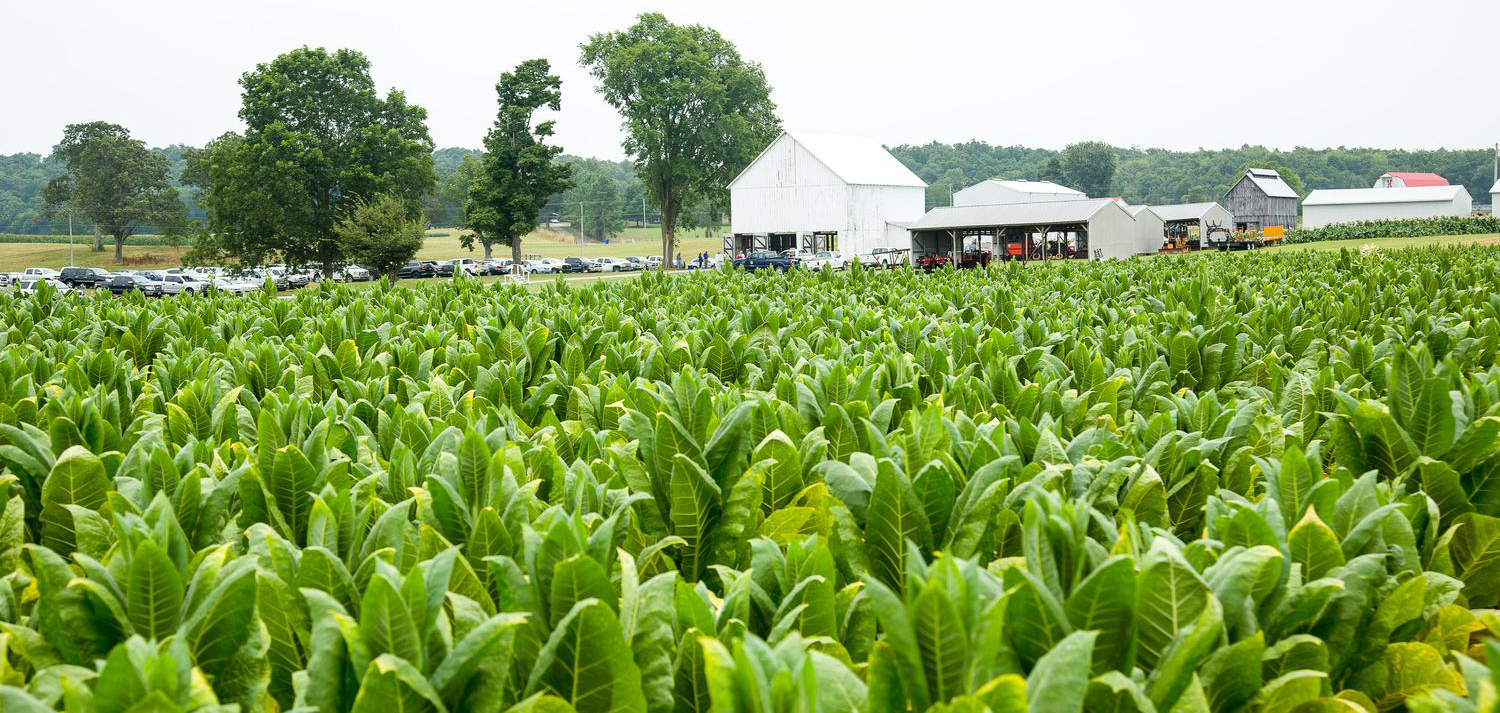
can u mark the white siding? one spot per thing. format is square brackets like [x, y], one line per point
[1317, 216]
[1112, 232]
[789, 190]
[996, 193]
[1148, 228]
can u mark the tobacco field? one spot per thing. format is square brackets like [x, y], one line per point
[1243, 482]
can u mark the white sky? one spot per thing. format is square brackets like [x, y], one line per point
[1179, 75]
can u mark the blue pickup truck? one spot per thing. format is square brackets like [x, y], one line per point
[767, 260]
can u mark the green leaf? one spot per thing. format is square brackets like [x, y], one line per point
[483, 641]
[393, 685]
[695, 503]
[575, 579]
[1059, 681]
[1475, 550]
[1169, 596]
[1314, 546]
[1405, 670]
[77, 478]
[942, 641]
[1104, 602]
[587, 662]
[1175, 670]
[386, 625]
[895, 517]
[154, 592]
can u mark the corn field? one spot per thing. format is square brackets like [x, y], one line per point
[1243, 482]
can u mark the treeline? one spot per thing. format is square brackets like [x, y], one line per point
[1153, 176]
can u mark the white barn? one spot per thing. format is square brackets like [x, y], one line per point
[1348, 205]
[822, 192]
[997, 191]
[1402, 179]
[1149, 227]
[1085, 229]
[1495, 199]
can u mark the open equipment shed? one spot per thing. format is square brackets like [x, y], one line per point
[1191, 223]
[1082, 229]
[1348, 205]
[821, 192]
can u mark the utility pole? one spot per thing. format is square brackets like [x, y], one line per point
[70, 236]
[643, 211]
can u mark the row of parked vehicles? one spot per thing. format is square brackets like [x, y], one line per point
[191, 280]
[540, 266]
[821, 260]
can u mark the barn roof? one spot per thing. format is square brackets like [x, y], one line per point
[1270, 183]
[1033, 186]
[985, 216]
[1184, 211]
[1359, 196]
[1417, 180]
[856, 160]
[1495, 188]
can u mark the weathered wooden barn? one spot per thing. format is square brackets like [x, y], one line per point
[1259, 200]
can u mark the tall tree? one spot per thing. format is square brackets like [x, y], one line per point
[318, 138]
[381, 234]
[695, 112]
[1090, 167]
[1052, 171]
[114, 181]
[518, 174]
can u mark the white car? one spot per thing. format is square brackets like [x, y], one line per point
[886, 257]
[504, 266]
[178, 283]
[614, 264]
[351, 273]
[41, 272]
[549, 264]
[233, 285]
[829, 259]
[30, 283]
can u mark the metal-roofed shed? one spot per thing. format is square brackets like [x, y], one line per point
[1349, 205]
[996, 191]
[1150, 230]
[1083, 229]
[1193, 224]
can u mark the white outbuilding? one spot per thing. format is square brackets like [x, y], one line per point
[997, 191]
[823, 192]
[1081, 229]
[1495, 199]
[1200, 223]
[1348, 205]
[1150, 230]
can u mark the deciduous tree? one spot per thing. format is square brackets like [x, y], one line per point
[381, 234]
[318, 138]
[695, 112]
[114, 181]
[518, 174]
[1090, 167]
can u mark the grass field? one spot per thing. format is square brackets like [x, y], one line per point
[444, 243]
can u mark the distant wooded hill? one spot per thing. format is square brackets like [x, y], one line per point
[1154, 176]
[1143, 176]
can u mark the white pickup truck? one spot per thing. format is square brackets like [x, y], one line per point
[886, 257]
[826, 260]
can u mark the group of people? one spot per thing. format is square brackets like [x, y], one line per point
[700, 260]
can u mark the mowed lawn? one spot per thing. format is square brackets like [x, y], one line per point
[444, 243]
[441, 244]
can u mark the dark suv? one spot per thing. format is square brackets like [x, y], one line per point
[85, 276]
[416, 269]
[122, 283]
[575, 264]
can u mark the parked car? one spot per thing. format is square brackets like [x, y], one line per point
[828, 260]
[652, 262]
[614, 264]
[577, 265]
[552, 264]
[886, 257]
[180, 284]
[89, 277]
[40, 272]
[131, 282]
[766, 260]
[639, 263]
[31, 283]
[231, 285]
[351, 273]
[416, 269]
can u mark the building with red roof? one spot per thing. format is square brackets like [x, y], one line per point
[1398, 179]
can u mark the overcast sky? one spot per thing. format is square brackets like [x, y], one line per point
[1179, 75]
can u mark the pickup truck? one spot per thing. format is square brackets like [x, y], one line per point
[827, 260]
[886, 257]
[767, 260]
